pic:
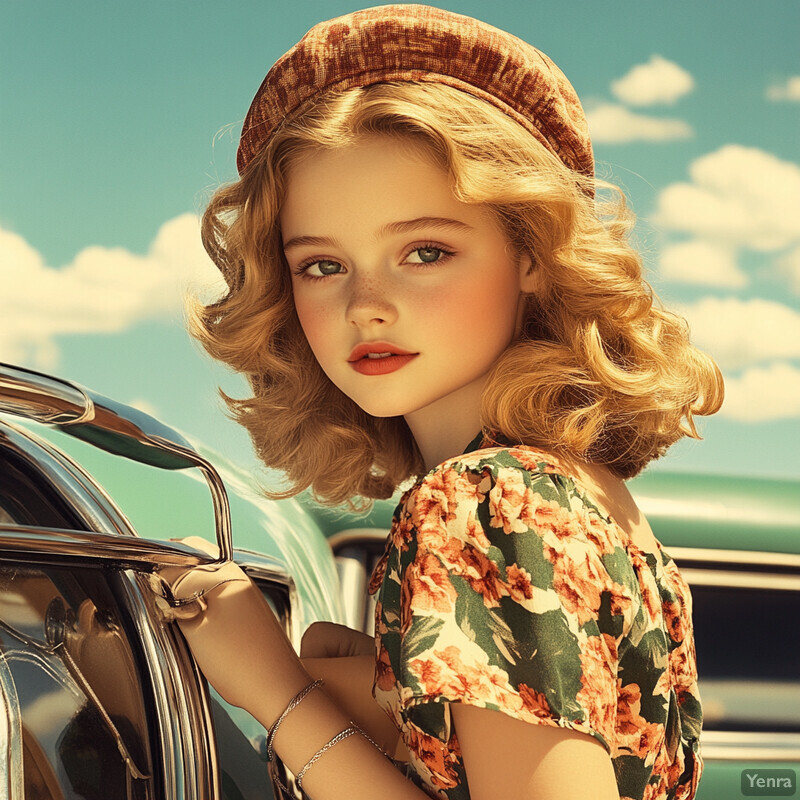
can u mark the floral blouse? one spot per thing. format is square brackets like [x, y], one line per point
[504, 586]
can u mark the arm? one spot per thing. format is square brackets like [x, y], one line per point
[244, 653]
[345, 660]
[505, 757]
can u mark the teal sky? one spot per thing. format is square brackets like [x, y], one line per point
[116, 118]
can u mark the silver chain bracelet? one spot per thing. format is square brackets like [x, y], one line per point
[293, 703]
[324, 749]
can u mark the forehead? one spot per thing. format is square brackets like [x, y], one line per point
[380, 180]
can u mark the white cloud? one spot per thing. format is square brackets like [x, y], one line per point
[657, 81]
[743, 333]
[761, 394]
[103, 290]
[614, 124]
[740, 195]
[702, 262]
[789, 268]
[788, 91]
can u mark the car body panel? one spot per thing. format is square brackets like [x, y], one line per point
[161, 504]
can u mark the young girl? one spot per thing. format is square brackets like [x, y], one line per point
[424, 290]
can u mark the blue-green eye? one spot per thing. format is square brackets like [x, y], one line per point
[323, 267]
[426, 255]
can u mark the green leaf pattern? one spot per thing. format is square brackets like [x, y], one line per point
[503, 586]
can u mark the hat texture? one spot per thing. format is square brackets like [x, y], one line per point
[421, 43]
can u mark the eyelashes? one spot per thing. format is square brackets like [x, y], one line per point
[430, 255]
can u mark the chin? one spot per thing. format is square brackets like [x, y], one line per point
[382, 410]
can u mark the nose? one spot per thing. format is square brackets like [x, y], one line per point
[370, 303]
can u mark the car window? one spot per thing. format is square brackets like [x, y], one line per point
[28, 499]
[748, 657]
[67, 651]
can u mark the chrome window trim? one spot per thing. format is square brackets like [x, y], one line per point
[12, 785]
[784, 562]
[57, 546]
[187, 747]
[125, 431]
[738, 746]
[75, 486]
[356, 536]
[186, 741]
[354, 575]
[741, 580]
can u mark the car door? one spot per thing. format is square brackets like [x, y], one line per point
[99, 697]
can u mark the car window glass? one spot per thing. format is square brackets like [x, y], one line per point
[28, 499]
[748, 657]
[84, 720]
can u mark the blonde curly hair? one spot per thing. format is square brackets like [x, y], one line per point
[600, 371]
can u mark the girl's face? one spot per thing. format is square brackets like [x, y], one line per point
[407, 296]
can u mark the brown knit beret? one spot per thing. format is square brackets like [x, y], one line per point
[420, 43]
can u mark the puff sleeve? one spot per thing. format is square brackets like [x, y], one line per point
[498, 594]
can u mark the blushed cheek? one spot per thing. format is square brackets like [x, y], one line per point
[488, 309]
[315, 322]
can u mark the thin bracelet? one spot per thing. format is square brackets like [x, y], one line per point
[371, 740]
[353, 729]
[293, 703]
[324, 749]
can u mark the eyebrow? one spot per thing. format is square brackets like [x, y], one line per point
[393, 227]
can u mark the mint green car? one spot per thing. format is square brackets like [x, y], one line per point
[100, 697]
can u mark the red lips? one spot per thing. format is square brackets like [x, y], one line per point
[379, 364]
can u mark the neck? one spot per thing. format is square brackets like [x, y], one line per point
[444, 428]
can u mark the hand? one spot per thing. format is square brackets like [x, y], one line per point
[330, 640]
[180, 591]
[233, 634]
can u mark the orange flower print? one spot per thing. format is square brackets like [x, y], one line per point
[683, 665]
[600, 533]
[437, 677]
[598, 693]
[673, 616]
[507, 500]
[535, 460]
[438, 496]
[378, 574]
[384, 675]
[620, 600]
[635, 735]
[554, 523]
[518, 583]
[434, 754]
[402, 531]
[445, 673]
[427, 586]
[477, 681]
[579, 584]
[482, 574]
[535, 703]
[475, 534]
